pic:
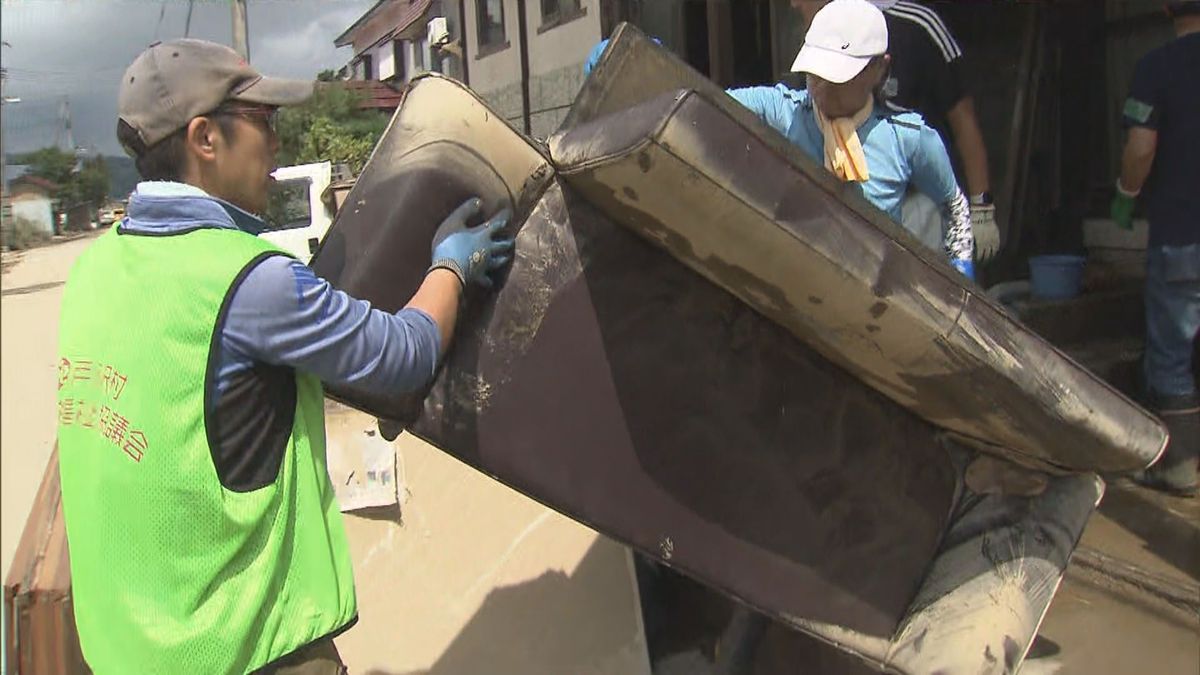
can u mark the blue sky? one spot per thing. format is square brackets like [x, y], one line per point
[78, 49]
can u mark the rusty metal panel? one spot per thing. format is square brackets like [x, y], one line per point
[612, 383]
[698, 176]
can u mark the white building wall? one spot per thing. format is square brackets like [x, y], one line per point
[496, 76]
[556, 57]
[36, 210]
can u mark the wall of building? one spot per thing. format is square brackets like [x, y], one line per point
[34, 208]
[496, 76]
[556, 58]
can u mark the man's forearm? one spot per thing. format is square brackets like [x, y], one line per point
[968, 138]
[439, 297]
[1138, 158]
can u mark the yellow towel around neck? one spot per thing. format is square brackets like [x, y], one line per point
[843, 151]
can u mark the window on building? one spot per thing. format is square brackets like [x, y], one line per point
[368, 67]
[490, 23]
[558, 11]
[418, 59]
[398, 57]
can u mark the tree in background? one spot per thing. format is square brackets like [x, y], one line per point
[329, 127]
[91, 183]
[52, 164]
[85, 181]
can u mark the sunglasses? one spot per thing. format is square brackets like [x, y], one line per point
[262, 114]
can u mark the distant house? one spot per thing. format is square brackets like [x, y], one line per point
[525, 57]
[397, 40]
[32, 198]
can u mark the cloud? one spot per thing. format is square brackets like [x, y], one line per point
[77, 49]
[307, 48]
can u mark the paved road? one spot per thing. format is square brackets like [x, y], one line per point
[31, 293]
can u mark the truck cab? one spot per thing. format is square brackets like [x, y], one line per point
[296, 217]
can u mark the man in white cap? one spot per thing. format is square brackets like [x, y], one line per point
[204, 534]
[926, 76]
[841, 120]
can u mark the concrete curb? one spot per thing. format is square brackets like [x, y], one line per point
[1181, 593]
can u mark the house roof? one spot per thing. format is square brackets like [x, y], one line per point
[35, 181]
[347, 35]
[376, 95]
[385, 19]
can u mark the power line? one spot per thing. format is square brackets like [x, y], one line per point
[187, 25]
[162, 11]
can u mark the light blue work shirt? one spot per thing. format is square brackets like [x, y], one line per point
[899, 147]
[283, 314]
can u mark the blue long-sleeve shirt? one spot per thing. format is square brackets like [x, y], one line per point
[283, 314]
[900, 150]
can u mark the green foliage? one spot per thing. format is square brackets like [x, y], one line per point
[49, 163]
[329, 127]
[89, 184]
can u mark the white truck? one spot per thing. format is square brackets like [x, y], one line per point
[297, 218]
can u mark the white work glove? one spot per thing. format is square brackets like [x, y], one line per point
[987, 235]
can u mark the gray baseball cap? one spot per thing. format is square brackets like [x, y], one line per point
[173, 82]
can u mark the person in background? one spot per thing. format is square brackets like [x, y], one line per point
[843, 120]
[1161, 164]
[204, 533]
[926, 76]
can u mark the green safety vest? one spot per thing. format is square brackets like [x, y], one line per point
[172, 572]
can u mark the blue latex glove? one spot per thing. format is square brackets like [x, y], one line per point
[594, 57]
[598, 51]
[472, 252]
[966, 267]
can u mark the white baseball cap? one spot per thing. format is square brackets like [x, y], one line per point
[843, 38]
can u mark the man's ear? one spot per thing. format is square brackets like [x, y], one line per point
[202, 138]
[883, 67]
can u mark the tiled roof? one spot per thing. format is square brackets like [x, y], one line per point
[385, 19]
[376, 95]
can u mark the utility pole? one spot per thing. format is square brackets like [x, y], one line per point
[63, 136]
[241, 41]
[4, 100]
[187, 25]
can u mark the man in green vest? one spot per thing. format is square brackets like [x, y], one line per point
[203, 530]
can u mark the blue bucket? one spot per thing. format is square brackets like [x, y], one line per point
[1056, 277]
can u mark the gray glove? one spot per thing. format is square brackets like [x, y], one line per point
[472, 252]
[987, 234]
